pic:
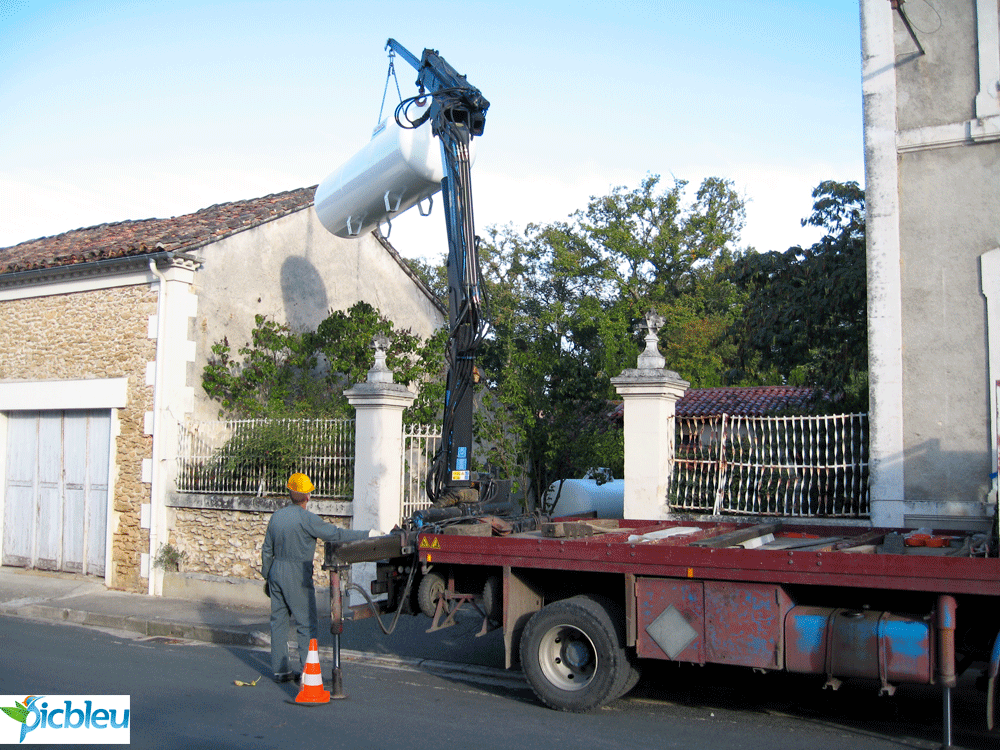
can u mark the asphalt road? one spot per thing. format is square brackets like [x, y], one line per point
[182, 695]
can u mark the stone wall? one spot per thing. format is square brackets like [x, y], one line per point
[227, 542]
[95, 334]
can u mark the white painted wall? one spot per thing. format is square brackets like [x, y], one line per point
[989, 264]
[932, 147]
[294, 271]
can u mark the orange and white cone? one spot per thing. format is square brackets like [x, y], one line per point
[312, 679]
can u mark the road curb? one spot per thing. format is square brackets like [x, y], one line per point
[229, 637]
[132, 624]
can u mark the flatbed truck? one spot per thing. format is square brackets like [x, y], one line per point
[583, 603]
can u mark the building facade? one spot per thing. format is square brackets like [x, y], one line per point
[104, 333]
[931, 83]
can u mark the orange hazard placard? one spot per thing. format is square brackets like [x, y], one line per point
[432, 544]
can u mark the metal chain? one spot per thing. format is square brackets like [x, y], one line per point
[390, 74]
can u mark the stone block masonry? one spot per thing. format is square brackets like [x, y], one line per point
[101, 333]
[227, 542]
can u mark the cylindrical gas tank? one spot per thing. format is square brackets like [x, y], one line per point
[396, 170]
[586, 495]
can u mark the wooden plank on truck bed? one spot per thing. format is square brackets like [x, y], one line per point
[687, 539]
[863, 540]
[469, 529]
[817, 543]
[739, 536]
[572, 529]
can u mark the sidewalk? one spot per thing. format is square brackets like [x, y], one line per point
[83, 600]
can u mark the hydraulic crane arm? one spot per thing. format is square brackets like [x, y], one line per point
[457, 112]
[454, 99]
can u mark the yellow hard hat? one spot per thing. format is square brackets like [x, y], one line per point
[299, 483]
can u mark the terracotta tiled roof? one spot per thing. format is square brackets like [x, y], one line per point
[129, 238]
[752, 401]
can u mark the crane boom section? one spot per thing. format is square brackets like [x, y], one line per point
[457, 112]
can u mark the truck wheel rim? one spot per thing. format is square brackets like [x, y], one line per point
[567, 657]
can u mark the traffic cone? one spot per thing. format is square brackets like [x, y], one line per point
[312, 691]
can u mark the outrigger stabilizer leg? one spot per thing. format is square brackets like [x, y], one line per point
[946, 611]
[336, 628]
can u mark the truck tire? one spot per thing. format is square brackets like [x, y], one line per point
[432, 587]
[630, 675]
[572, 655]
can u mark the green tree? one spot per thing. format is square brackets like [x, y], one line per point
[281, 373]
[273, 375]
[542, 365]
[659, 252]
[435, 276]
[805, 317]
[650, 246]
[344, 339]
[566, 298]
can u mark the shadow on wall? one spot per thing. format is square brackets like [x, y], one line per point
[933, 474]
[303, 293]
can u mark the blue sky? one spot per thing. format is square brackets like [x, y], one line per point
[122, 109]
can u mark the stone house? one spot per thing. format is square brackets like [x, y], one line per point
[931, 85]
[104, 332]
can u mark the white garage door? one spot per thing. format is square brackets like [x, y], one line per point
[56, 504]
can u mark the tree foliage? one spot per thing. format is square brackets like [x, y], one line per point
[805, 315]
[283, 373]
[270, 375]
[566, 299]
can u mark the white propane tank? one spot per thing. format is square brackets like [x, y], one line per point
[399, 168]
[586, 495]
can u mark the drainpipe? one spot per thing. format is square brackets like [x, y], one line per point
[155, 491]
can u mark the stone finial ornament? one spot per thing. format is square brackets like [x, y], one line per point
[651, 359]
[380, 372]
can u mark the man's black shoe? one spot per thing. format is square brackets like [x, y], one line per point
[286, 677]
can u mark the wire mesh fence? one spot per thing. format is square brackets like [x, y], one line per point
[784, 466]
[256, 456]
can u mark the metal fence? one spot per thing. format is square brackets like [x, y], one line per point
[256, 456]
[783, 466]
[420, 443]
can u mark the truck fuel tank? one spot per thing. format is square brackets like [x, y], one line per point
[859, 643]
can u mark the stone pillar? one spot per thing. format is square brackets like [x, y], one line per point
[378, 453]
[650, 393]
[172, 396]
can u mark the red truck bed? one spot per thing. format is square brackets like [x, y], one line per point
[845, 557]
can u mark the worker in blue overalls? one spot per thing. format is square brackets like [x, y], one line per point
[287, 566]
